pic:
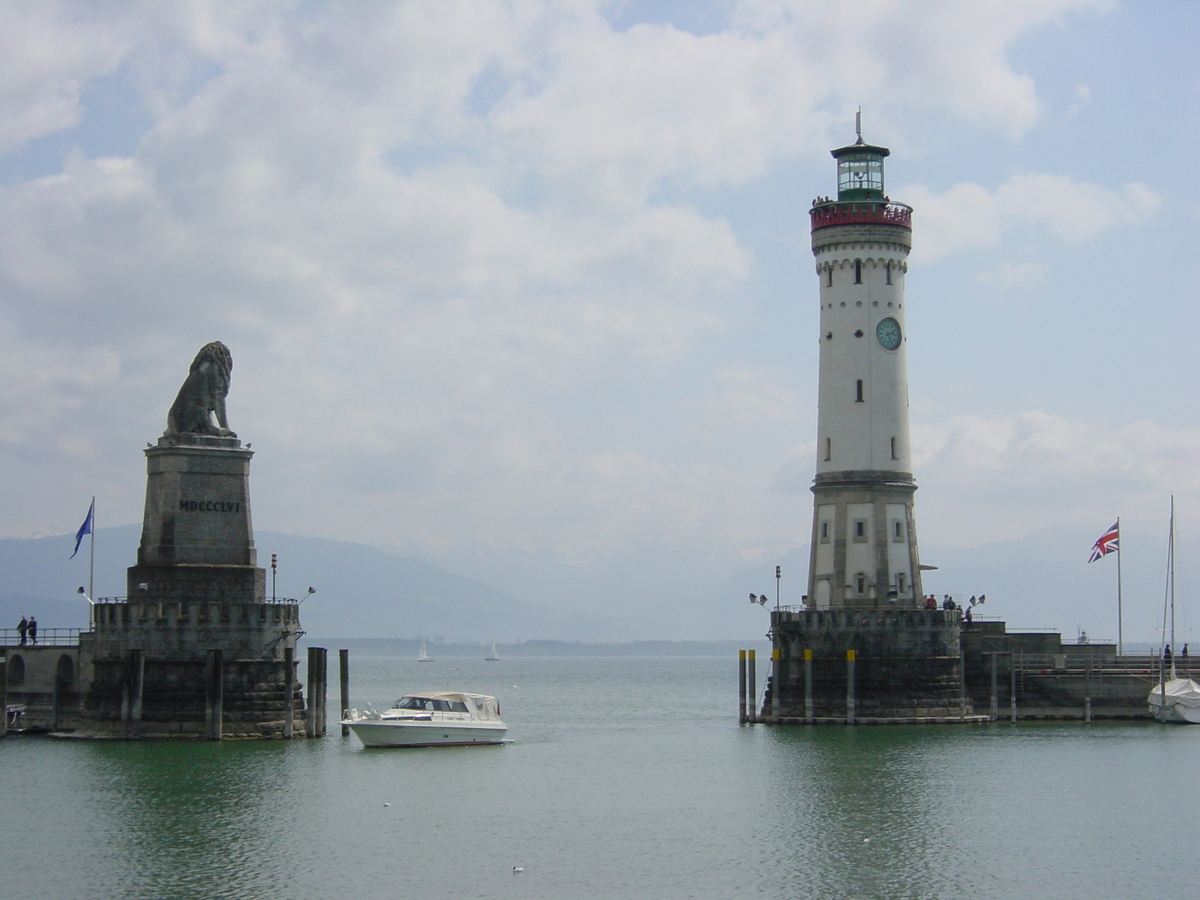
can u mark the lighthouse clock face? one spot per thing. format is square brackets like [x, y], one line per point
[888, 333]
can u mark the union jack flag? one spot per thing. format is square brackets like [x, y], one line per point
[1108, 543]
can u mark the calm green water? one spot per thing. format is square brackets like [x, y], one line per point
[627, 779]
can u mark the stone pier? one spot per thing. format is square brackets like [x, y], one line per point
[866, 666]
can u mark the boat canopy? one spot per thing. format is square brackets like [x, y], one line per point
[480, 705]
[1179, 692]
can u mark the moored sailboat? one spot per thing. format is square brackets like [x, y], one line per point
[1174, 699]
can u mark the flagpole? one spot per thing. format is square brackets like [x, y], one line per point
[1120, 633]
[92, 560]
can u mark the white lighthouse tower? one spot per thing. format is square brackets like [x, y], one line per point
[864, 542]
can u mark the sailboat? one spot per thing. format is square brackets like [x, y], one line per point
[423, 656]
[493, 656]
[1175, 699]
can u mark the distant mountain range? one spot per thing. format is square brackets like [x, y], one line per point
[360, 591]
[1037, 582]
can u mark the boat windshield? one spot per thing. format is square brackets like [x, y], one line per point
[432, 704]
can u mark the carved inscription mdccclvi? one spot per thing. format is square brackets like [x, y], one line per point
[210, 506]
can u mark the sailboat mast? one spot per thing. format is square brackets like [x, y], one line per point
[1171, 578]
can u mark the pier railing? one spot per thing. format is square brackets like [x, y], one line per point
[46, 637]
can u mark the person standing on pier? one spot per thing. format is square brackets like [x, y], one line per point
[23, 629]
[32, 630]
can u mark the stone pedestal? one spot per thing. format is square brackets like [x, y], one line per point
[215, 657]
[197, 536]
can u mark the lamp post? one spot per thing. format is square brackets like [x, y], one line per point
[777, 576]
[91, 608]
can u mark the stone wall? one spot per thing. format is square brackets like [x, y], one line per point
[899, 665]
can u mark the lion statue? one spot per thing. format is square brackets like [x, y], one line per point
[203, 395]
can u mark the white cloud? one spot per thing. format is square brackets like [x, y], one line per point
[1075, 211]
[48, 52]
[473, 263]
[1009, 275]
[1052, 469]
[968, 215]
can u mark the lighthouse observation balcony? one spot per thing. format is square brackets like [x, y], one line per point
[827, 213]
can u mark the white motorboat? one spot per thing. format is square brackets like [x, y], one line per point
[431, 719]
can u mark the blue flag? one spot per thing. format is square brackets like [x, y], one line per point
[85, 528]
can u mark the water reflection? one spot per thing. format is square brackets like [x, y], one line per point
[627, 779]
[195, 819]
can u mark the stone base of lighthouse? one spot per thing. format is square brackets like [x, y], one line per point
[866, 666]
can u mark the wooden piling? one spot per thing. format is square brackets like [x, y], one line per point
[850, 660]
[344, 672]
[741, 686]
[310, 723]
[317, 691]
[751, 688]
[323, 707]
[214, 700]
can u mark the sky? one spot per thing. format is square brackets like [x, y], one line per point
[524, 289]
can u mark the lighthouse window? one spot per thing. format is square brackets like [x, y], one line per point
[889, 272]
[825, 531]
[900, 582]
[858, 271]
[859, 399]
[894, 456]
[897, 531]
[860, 531]
[828, 448]
[860, 583]
[831, 276]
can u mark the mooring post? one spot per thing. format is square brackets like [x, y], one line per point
[137, 678]
[776, 681]
[344, 671]
[323, 709]
[310, 720]
[751, 689]
[741, 686]
[318, 690]
[3, 696]
[214, 699]
[289, 681]
[995, 696]
[850, 660]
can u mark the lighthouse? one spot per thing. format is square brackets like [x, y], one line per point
[863, 647]
[864, 542]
